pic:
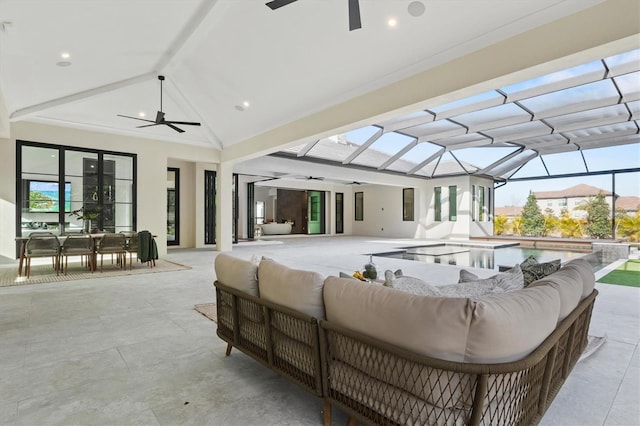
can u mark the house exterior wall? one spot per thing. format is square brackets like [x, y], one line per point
[570, 203]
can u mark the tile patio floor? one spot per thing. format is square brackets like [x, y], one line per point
[132, 350]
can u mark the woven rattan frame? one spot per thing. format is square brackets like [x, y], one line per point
[424, 390]
[282, 339]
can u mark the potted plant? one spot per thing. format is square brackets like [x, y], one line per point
[89, 215]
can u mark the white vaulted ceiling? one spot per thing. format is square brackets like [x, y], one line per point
[288, 63]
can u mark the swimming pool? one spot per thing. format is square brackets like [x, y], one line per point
[477, 257]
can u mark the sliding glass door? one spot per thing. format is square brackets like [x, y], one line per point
[66, 190]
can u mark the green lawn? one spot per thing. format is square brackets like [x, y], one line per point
[626, 274]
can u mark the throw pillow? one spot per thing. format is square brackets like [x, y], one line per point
[466, 276]
[511, 280]
[528, 262]
[409, 284]
[539, 270]
[471, 289]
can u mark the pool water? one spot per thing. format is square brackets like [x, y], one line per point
[478, 257]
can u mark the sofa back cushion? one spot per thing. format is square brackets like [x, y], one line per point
[432, 326]
[498, 328]
[507, 327]
[583, 268]
[568, 283]
[237, 273]
[296, 289]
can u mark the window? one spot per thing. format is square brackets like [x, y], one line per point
[562, 202]
[173, 206]
[407, 204]
[359, 210]
[339, 212]
[259, 212]
[437, 204]
[70, 189]
[473, 203]
[481, 203]
[453, 202]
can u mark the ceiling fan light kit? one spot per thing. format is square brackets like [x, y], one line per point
[160, 117]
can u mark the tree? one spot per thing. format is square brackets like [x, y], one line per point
[551, 222]
[532, 218]
[500, 224]
[598, 216]
[516, 225]
[629, 227]
[569, 227]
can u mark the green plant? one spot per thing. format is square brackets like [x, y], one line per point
[500, 224]
[598, 216]
[532, 217]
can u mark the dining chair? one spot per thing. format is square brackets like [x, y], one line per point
[78, 245]
[111, 243]
[42, 244]
[132, 247]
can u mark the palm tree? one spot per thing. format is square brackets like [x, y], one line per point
[569, 227]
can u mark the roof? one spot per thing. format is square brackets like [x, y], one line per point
[512, 88]
[630, 204]
[509, 211]
[581, 190]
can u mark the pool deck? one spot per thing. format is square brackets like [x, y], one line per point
[132, 350]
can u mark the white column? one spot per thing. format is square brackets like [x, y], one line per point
[224, 207]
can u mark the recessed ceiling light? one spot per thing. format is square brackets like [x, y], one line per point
[416, 8]
[63, 63]
[392, 22]
[65, 55]
[142, 114]
[246, 104]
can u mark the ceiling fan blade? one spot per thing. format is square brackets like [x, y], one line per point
[148, 125]
[177, 129]
[354, 15]
[275, 4]
[135, 118]
[186, 123]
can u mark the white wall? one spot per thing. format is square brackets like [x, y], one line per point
[383, 211]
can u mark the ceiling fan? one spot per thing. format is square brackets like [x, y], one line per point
[160, 116]
[354, 11]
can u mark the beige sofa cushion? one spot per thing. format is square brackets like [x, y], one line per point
[568, 283]
[296, 289]
[584, 269]
[431, 326]
[507, 327]
[237, 273]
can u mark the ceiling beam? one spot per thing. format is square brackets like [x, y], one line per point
[23, 112]
[170, 53]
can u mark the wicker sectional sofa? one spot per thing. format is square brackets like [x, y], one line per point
[388, 357]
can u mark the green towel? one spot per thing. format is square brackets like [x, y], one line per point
[147, 248]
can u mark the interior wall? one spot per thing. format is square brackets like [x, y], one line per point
[291, 205]
[7, 198]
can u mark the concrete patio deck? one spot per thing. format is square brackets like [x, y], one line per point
[132, 350]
